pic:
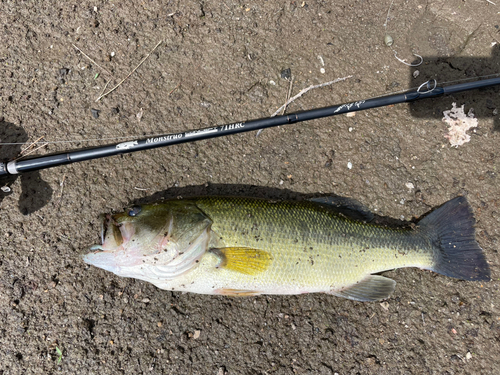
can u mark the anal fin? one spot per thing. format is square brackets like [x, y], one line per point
[371, 288]
[243, 259]
[237, 292]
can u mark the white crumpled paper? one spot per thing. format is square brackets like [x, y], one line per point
[458, 124]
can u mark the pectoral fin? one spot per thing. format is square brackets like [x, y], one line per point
[243, 259]
[371, 288]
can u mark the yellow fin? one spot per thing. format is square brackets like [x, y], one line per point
[243, 259]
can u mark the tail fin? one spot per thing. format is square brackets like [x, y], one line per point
[451, 230]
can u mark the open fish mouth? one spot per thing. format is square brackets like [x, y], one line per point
[104, 228]
[113, 234]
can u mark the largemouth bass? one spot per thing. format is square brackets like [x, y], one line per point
[244, 246]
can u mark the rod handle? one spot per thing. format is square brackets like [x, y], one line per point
[3, 170]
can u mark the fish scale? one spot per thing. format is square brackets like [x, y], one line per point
[342, 250]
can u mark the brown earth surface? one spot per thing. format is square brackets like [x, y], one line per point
[221, 62]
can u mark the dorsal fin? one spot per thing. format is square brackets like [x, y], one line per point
[348, 207]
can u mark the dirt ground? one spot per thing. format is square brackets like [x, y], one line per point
[221, 62]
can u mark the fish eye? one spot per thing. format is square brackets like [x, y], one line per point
[134, 211]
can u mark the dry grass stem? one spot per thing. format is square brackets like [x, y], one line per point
[24, 152]
[288, 95]
[104, 88]
[31, 145]
[302, 92]
[60, 195]
[128, 75]
[175, 88]
[84, 54]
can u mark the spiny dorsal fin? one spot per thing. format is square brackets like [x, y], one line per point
[348, 207]
[371, 288]
[243, 259]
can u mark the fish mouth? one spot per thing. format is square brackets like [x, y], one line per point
[111, 234]
[116, 234]
[103, 255]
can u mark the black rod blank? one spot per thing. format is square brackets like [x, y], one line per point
[54, 160]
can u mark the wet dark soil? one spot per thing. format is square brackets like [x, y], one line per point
[222, 62]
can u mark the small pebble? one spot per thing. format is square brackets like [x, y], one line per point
[416, 73]
[5, 189]
[286, 73]
[388, 40]
[95, 113]
[410, 186]
[322, 70]
[139, 115]
[349, 165]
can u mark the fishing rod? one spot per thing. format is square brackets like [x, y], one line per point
[429, 89]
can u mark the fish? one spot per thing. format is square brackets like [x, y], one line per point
[238, 246]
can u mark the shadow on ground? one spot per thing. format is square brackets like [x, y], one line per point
[35, 193]
[345, 206]
[454, 70]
